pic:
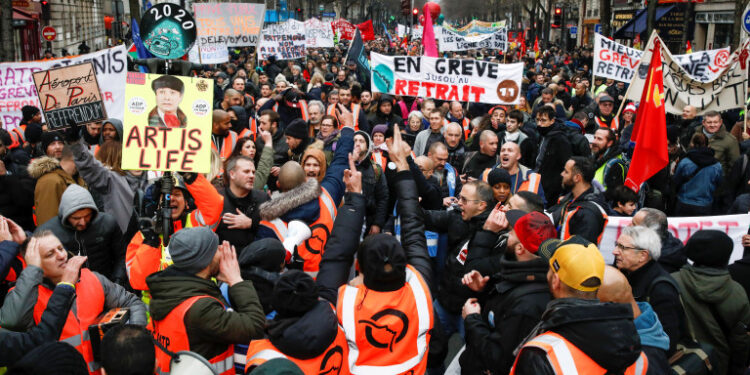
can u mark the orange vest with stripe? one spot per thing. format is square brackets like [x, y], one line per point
[311, 251]
[331, 362]
[331, 111]
[227, 145]
[18, 136]
[568, 215]
[172, 334]
[250, 132]
[614, 124]
[89, 305]
[566, 359]
[532, 184]
[387, 332]
[302, 108]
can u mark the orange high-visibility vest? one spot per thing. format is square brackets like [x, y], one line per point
[379, 159]
[615, 123]
[331, 111]
[568, 214]
[227, 145]
[18, 137]
[311, 251]
[172, 334]
[566, 359]
[332, 361]
[252, 131]
[89, 305]
[387, 332]
[532, 184]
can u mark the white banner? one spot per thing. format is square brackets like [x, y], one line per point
[726, 91]
[416, 32]
[452, 41]
[619, 62]
[447, 79]
[401, 30]
[209, 54]
[17, 84]
[284, 40]
[318, 34]
[682, 228]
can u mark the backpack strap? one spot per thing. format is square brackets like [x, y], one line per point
[661, 279]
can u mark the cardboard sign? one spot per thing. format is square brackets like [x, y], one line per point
[69, 93]
[231, 24]
[452, 41]
[318, 34]
[727, 90]
[167, 125]
[284, 40]
[17, 87]
[208, 54]
[619, 62]
[682, 227]
[447, 79]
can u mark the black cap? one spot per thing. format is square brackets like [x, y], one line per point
[294, 294]
[605, 99]
[710, 248]
[513, 216]
[169, 82]
[383, 263]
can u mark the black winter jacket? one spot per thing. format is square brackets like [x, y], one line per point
[510, 311]
[588, 221]
[249, 205]
[554, 151]
[375, 189]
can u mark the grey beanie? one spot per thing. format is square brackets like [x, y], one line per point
[192, 249]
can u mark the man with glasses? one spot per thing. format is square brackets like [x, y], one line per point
[604, 116]
[475, 204]
[636, 253]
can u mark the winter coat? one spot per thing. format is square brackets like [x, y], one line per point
[718, 312]
[250, 206]
[663, 298]
[672, 256]
[307, 336]
[263, 168]
[113, 187]
[510, 311]
[740, 272]
[101, 241]
[452, 293]
[603, 331]
[17, 199]
[726, 147]
[588, 222]
[210, 326]
[697, 177]
[554, 151]
[17, 312]
[14, 345]
[421, 141]
[51, 182]
[375, 189]
[477, 163]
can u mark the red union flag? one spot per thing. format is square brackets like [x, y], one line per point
[650, 128]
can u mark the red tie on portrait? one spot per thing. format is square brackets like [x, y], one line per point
[171, 120]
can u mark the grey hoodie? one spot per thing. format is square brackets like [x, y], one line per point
[118, 126]
[73, 199]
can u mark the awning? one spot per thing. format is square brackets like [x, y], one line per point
[19, 15]
[637, 24]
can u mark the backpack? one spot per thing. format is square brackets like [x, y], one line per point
[579, 144]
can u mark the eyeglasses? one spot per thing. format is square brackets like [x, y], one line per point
[463, 199]
[623, 247]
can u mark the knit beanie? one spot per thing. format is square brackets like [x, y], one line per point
[33, 132]
[54, 358]
[49, 137]
[382, 128]
[297, 129]
[498, 175]
[709, 248]
[192, 249]
[28, 111]
[294, 294]
[383, 263]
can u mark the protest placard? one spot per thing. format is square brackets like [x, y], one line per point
[284, 40]
[401, 30]
[682, 228]
[473, 81]
[619, 62]
[343, 28]
[17, 87]
[167, 125]
[231, 24]
[727, 91]
[208, 54]
[452, 41]
[318, 34]
[416, 32]
[69, 93]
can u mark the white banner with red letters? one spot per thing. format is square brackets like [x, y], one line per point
[682, 228]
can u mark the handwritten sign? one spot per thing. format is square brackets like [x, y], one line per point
[208, 53]
[17, 87]
[318, 34]
[167, 124]
[344, 29]
[452, 41]
[284, 40]
[230, 24]
[69, 93]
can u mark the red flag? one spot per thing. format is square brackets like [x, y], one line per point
[523, 48]
[688, 47]
[536, 47]
[428, 34]
[405, 41]
[650, 128]
[368, 33]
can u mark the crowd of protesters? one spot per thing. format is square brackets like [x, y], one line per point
[342, 231]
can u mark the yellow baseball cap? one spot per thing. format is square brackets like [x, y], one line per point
[574, 260]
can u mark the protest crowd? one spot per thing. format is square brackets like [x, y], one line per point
[344, 229]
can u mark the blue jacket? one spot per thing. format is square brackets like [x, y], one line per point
[650, 329]
[699, 189]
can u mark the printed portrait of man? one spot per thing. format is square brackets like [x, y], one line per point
[167, 113]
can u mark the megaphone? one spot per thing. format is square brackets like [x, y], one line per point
[190, 363]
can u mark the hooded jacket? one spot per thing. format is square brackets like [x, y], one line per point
[307, 336]
[374, 187]
[113, 187]
[697, 177]
[672, 256]
[101, 241]
[210, 327]
[51, 182]
[118, 127]
[510, 311]
[554, 152]
[603, 331]
[718, 312]
[242, 121]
